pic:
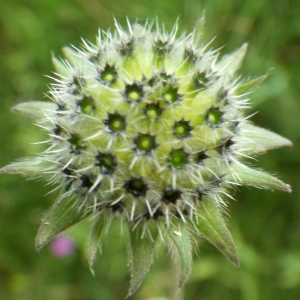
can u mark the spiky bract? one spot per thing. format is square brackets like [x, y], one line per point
[147, 128]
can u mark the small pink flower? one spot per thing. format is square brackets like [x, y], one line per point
[62, 246]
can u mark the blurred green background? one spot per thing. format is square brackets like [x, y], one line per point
[264, 224]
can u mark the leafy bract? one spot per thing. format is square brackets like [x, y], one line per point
[245, 87]
[29, 167]
[35, 109]
[257, 140]
[64, 214]
[249, 176]
[141, 252]
[212, 226]
[180, 238]
[94, 239]
[233, 61]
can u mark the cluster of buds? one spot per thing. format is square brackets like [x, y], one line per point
[148, 129]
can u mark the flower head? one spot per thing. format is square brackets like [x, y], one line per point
[149, 129]
[62, 246]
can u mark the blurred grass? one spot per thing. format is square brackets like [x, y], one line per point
[264, 224]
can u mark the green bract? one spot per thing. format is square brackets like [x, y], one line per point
[149, 129]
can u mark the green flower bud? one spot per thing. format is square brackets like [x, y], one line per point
[148, 129]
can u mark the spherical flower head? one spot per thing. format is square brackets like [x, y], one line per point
[149, 129]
